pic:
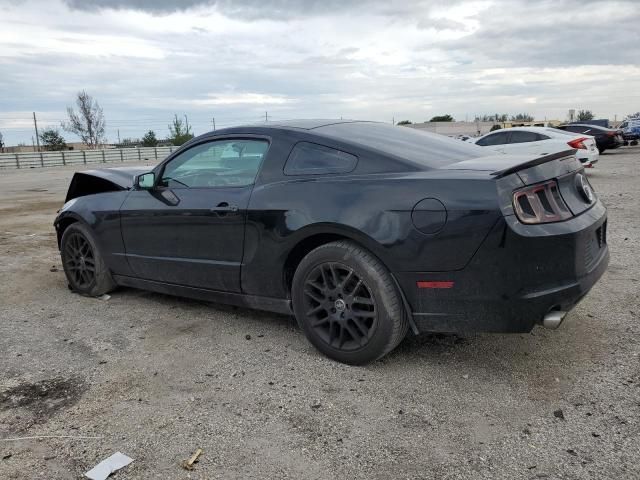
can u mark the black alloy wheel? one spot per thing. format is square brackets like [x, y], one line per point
[339, 306]
[347, 303]
[83, 262]
[80, 261]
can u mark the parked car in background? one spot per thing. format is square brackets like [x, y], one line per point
[631, 130]
[606, 138]
[540, 141]
[361, 230]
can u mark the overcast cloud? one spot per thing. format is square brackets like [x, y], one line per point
[145, 60]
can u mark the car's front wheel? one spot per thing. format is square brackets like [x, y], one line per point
[83, 263]
[347, 303]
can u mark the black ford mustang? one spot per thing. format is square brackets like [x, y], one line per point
[362, 230]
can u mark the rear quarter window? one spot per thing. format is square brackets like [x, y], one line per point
[308, 158]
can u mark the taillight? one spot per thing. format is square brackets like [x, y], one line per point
[578, 143]
[540, 203]
[611, 134]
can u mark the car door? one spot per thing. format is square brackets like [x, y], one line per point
[189, 228]
[495, 141]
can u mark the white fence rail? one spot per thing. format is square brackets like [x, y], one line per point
[79, 157]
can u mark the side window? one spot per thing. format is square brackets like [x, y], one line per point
[523, 137]
[499, 138]
[313, 159]
[219, 163]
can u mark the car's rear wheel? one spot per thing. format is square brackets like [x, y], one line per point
[83, 263]
[347, 304]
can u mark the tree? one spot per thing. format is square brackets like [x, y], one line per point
[585, 115]
[149, 139]
[88, 123]
[493, 118]
[495, 127]
[52, 140]
[522, 117]
[404, 122]
[179, 132]
[442, 118]
[1, 142]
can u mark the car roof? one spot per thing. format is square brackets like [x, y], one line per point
[590, 125]
[305, 124]
[422, 149]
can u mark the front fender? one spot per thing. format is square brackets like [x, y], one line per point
[101, 213]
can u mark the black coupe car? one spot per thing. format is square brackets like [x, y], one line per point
[362, 230]
[606, 138]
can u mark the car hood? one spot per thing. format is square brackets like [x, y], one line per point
[90, 182]
[122, 177]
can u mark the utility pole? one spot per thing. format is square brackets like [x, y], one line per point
[213, 121]
[35, 124]
[266, 117]
[118, 137]
[393, 120]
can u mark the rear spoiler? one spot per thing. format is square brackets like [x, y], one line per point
[533, 163]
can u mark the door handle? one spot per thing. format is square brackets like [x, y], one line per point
[224, 207]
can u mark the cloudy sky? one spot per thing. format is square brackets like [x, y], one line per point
[145, 60]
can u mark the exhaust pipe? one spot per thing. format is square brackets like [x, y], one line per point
[553, 319]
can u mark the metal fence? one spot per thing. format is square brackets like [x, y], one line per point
[79, 157]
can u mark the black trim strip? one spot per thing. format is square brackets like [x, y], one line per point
[276, 305]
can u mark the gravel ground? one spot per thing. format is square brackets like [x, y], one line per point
[157, 377]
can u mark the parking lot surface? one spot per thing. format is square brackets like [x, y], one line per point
[156, 377]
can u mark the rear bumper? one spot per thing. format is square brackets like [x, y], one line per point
[517, 276]
[587, 157]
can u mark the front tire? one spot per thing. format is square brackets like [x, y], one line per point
[347, 303]
[83, 263]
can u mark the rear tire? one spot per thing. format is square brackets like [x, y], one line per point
[83, 263]
[347, 303]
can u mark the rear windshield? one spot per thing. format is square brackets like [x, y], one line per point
[423, 148]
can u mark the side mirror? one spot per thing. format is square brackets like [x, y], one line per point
[146, 181]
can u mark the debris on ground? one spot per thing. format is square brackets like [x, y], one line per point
[559, 414]
[109, 465]
[105, 296]
[188, 464]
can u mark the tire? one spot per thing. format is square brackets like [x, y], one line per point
[600, 149]
[347, 303]
[83, 263]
